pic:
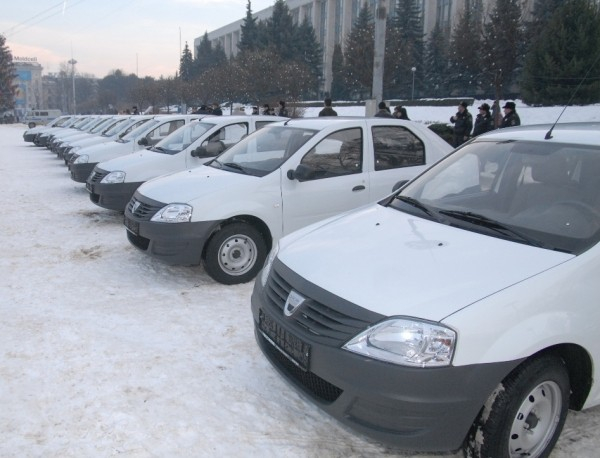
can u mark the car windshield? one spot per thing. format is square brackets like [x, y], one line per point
[115, 128]
[139, 130]
[182, 138]
[539, 193]
[101, 126]
[263, 151]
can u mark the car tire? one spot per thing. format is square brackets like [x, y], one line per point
[235, 254]
[31, 125]
[525, 414]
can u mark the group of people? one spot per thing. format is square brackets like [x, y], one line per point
[384, 111]
[484, 121]
[270, 111]
[213, 109]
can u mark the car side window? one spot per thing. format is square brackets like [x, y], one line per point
[396, 147]
[163, 130]
[340, 153]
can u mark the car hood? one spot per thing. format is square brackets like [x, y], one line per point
[189, 185]
[144, 158]
[394, 263]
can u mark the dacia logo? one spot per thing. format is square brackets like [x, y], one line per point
[294, 300]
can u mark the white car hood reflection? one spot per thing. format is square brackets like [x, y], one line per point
[393, 263]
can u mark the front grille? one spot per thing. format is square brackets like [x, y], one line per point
[143, 210]
[314, 384]
[319, 321]
[97, 175]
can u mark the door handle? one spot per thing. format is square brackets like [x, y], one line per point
[359, 188]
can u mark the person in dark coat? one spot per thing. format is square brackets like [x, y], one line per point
[484, 122]
[511, 118]
[327, 111]
[384, 111]
[400, 113]
[282, 109]
[463, 124]
[216, 109]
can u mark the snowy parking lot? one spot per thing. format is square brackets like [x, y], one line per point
[105, 351]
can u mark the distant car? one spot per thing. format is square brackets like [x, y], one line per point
[30, 134]
[462, 311]
[112, 183]
[148, 134]
[228, 213]
[35, 118]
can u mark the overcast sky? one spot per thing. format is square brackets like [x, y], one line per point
[137, 36]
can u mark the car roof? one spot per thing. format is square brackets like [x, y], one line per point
[241, 118]
[327, 121]
[580, 133]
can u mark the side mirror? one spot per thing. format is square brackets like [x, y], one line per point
[302, 173]
[399, 185]
[200, 152]
[143, 141]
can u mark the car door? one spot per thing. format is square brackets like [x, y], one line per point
[398, 154]
[329, 179]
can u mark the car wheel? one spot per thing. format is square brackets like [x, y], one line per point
[525, 414]
[31, 125]
[235, 254]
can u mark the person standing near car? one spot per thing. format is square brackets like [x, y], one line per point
[484, 122]
[327, 111]
[282, 109]
[511, 118]
[463, 124]
[384, 111]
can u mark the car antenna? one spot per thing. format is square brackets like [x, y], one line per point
[549, 133]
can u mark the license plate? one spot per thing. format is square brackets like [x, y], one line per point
[131, 225]
[297, 351]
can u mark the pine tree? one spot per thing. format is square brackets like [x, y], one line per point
[359, 55]
[281, 31]
[339, 90]
[502, 44]
[249, 36]
[406, 48]
[307, 51]
[465, 54]
[565, 52]
[436, 63]
[186, 64]
[204, 56]
[7, 75]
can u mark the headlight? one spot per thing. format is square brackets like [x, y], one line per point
[268, 264]
[406, 341]
[114, 177]
[83, 159]
[173, 213]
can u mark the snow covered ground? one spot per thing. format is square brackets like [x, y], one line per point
[105, 352]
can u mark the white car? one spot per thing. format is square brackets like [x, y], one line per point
[461, 311]
[229, 212]
[148, 134]
[112, 183]
[30, 134]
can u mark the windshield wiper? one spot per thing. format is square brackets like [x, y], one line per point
[489, 223]
[417, 204]
[235, 166]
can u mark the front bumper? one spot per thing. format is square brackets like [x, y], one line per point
[80, 172]
[113, 196]
[408, 408]
[172, 243]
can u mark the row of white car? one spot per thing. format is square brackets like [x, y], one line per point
[459, 310]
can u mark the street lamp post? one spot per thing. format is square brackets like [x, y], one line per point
[413, 70]
[73, 62]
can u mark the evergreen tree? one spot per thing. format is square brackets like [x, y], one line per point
[436, 63]
[465, 53]
[307, 51]
[339, 90]
[406, 48]
[502, 42]
[565, 52]
[281, 31]
[359, 55]
[204, 56]
[249, 36]
[218, 56]
[7, 75]
[186, 64]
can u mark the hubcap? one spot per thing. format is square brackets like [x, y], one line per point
[237, 254]
[536, 421]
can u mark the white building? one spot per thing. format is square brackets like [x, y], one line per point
[29, 85]
[332, 21]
